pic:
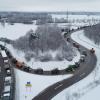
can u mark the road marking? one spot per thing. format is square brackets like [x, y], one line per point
[58, 86]
[82, 74]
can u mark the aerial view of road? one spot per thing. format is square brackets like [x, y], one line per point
[44, 54]
[85, 69]
[1, 74]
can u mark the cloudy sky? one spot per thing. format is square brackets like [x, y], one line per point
[49, 5]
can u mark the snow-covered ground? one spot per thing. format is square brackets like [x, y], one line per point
[38, 83]
[15, 31]
[75, 16]
[41, 82]
[44, 65]
[77, 20]
[87, 85]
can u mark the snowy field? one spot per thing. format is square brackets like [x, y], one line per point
[17, 30]
[45, 65]
[87, 88]
[75, 16]
[39, 83]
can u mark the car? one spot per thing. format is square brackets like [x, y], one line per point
[8, 82]
[6, 96]
[82, 58]
[6, 66]
[39, 71]
[6, 61]
[84, 53]
[27, 69]
[8, 71]
[7, 78]
[55, 71]
[7, 89]
[77, 64]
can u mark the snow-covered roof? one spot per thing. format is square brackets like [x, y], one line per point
[6, 94]
[8, 78]
[7, 88]
[3, 53]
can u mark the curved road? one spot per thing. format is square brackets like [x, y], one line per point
[85, 69]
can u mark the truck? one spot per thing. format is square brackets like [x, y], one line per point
[92, 51]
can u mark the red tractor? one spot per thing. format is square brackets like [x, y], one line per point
[19, 64]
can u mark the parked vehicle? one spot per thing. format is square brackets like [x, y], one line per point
[8, 71]
[6, 66]
[6, 89]
[8, 78]
[6, 61]
[6, 96]
[7, 82]
[4, 55]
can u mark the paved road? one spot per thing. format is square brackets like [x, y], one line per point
[84, 71]
[1, 75]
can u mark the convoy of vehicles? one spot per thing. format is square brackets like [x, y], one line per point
[8, 77]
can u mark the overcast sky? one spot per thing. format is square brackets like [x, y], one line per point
[49, 5]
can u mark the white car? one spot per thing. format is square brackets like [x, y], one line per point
[8, 72]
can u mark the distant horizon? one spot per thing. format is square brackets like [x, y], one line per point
[50, 11]
[50, 5]
[58, 12]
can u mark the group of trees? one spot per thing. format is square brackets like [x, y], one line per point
[46, 38]
[25, 17]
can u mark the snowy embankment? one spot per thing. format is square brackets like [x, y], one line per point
[44, 65]
[15, 31]
[38, 83]
[84, 87]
